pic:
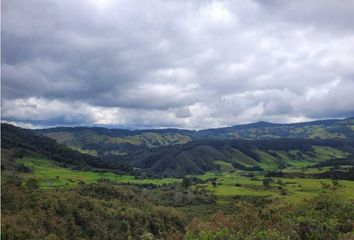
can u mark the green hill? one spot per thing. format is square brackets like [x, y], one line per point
[323, 129]
[102, 141]
[197, 157]
[18, 143]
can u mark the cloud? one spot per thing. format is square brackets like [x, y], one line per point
[191, 64]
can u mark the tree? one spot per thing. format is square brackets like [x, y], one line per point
[266, 182]
[335, 184]
[32, 184]
[186, 182]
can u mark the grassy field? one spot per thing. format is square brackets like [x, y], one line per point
[298, 159]
[228, 184]
[51, 175]
[294, 189]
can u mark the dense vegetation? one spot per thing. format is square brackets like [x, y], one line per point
[102, 141]
[283, 188]
[197, 157]
[98, 211]
[326, 217]
[22, 142]
[107, 211]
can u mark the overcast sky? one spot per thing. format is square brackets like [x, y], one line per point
[176, 63]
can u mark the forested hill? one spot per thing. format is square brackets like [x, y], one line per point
[200, 156]
[323, 129]
[103, 141]
[20, 142]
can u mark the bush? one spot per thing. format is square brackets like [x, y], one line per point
[92, 211]
[325, 217]
[283, 192]
[32, 184]
[186, 182]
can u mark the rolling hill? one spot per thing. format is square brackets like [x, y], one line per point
[17, 143]
[175, 152]
[200, 156]
[102, 141]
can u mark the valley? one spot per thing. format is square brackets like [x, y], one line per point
[228, 184]
[209, 188]
[177, 120]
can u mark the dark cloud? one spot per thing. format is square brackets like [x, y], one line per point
[191, 64]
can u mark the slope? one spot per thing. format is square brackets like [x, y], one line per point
[197, 157]
[17, 143]
[102, 141]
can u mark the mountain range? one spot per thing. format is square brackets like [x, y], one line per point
[103, 141]
[17, 143]
[259, 146]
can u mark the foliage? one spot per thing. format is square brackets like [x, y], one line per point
[32, 184]
[103, 141]
[105, 210]
[326, 217]
[52, 192]
[200, 156]
[97, 211]
[266, 182]
[186, 182]
[24, 142]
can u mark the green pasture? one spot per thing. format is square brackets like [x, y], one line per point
[297, 189]
[228, 184]
[325, 153]
[51, 175]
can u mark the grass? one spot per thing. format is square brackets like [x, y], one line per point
[267, 161]
[229, 184]
[224, 166]
[86, 151]
[298, 189]
[296, 158]
[51, 175]
[243, 158]
[325, 153]
[299, 162]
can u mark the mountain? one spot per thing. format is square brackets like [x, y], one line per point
[200, 156]
[107, 142]
[174, 152]
[102, 141]
[17, 142]
[323, 129]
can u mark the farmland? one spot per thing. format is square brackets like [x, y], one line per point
[51, 175]
[236, 183]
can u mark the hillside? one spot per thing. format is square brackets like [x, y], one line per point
[18, 143]
[102, 141]
[43, 199]
[226, 155]
[323, 129]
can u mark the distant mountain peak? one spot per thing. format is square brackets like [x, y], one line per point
[255, 125]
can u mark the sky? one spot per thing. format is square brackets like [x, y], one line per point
[175, 63]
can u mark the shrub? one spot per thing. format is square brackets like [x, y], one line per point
[32, 184]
